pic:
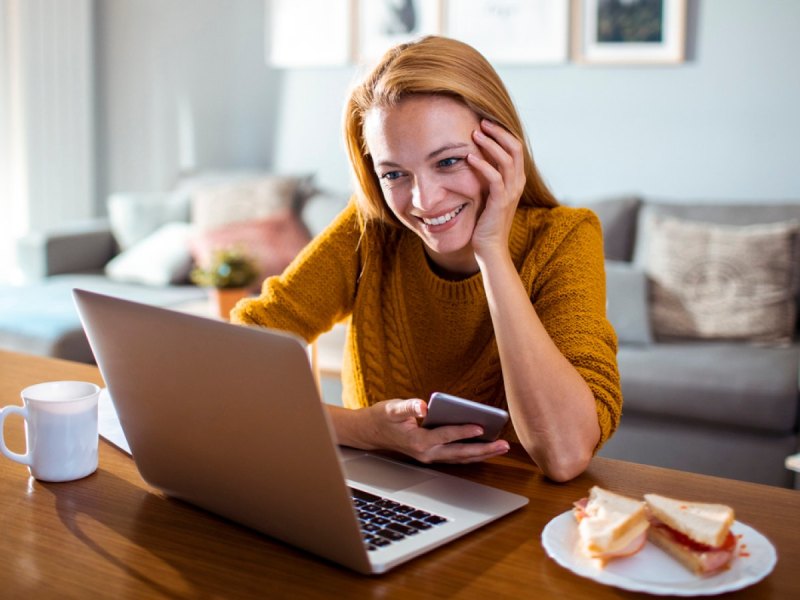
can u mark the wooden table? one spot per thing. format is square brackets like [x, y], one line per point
[111, 536]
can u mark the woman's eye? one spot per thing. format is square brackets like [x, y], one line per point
[391, 175]
[448, 162]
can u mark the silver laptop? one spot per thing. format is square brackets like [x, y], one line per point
[229, 418]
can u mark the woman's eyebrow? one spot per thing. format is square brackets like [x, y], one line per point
[445, 148]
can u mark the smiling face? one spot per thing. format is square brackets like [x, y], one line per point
[419, 149]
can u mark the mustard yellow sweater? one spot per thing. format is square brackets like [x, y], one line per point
[412, 333]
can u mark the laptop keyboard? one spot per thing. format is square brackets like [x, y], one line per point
[384, 521]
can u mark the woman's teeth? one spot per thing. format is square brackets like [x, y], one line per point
[444, 218]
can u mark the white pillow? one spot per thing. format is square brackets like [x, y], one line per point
[134, 216]
[162, 258]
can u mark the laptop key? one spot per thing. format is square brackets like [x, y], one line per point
[391, 534]
[362, 495]
[435, 520]
[401, 518]
[402, 529]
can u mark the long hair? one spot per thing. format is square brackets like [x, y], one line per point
[432, 65]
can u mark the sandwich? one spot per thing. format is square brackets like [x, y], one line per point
[698, 535]
[610, 525]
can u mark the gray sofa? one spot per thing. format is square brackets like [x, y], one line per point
[720, 407]
[141, 251]
[726, 407]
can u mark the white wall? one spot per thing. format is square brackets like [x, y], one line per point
[181, 85]
[723, 125]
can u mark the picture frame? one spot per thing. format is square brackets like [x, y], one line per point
[309, 33]
[382, 24]
[512, 32]
[629, 31]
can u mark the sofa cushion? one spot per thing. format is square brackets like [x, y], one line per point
[722, 281]
[618, 217]
[715, 382]
[134, 216]
[626, 293]
[271, 242]
[41, 318]
[708, 212]
[162, 258]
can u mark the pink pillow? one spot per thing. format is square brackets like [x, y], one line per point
[272, 242]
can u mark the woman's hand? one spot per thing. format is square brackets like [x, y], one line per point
[393, 425]
[502, 167]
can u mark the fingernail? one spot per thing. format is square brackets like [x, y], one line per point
[418, 408]
[479, 134]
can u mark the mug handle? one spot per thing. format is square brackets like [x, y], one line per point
[24, 459]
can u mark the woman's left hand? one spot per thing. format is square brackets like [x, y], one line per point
[502, 167]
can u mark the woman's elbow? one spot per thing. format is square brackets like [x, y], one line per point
[563, 466]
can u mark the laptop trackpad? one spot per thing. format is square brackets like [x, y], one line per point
[384, 474]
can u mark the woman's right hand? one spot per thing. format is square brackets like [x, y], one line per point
[394, 425]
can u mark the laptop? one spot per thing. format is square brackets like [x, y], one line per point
[229, 418]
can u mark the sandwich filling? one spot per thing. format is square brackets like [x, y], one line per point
[695, 533]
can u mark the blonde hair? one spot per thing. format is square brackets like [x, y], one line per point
[436, 66]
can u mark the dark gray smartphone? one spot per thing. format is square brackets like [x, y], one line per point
[445, 409]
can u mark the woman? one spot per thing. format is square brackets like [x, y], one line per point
[459, 272]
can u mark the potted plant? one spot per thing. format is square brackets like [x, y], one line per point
[230, 275]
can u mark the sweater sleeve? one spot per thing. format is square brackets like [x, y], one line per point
[316, 290]
[569, 295]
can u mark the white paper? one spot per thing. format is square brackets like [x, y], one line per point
[108, 422]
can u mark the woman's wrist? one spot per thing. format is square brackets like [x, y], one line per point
[351, 426]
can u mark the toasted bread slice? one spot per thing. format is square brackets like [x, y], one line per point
[701, 561]
[706, 524]
[611, 525]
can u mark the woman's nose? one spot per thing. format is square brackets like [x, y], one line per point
[425, 194]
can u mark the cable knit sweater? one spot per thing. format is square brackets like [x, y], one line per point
[412, 332]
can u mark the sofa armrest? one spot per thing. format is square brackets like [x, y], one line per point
[79, 247]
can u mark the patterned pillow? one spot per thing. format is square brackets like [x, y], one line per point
[722, 281]
[272, 242]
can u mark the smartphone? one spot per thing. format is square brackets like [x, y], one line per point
[444, 409]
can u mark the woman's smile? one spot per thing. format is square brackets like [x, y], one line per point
[435, 222]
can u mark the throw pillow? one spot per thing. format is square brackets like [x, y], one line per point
[272, 242]
[722, 281]
[134, 216]
[626, 298]
[162, 258]
[244, 200]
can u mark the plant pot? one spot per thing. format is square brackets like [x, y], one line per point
[224, 299]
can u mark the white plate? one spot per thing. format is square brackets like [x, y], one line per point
[653, 571]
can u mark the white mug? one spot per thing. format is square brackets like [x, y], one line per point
[60, 430]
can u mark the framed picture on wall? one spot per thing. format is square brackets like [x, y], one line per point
[511, 32]
[384, 23]
[309, 33]
[629, 31]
